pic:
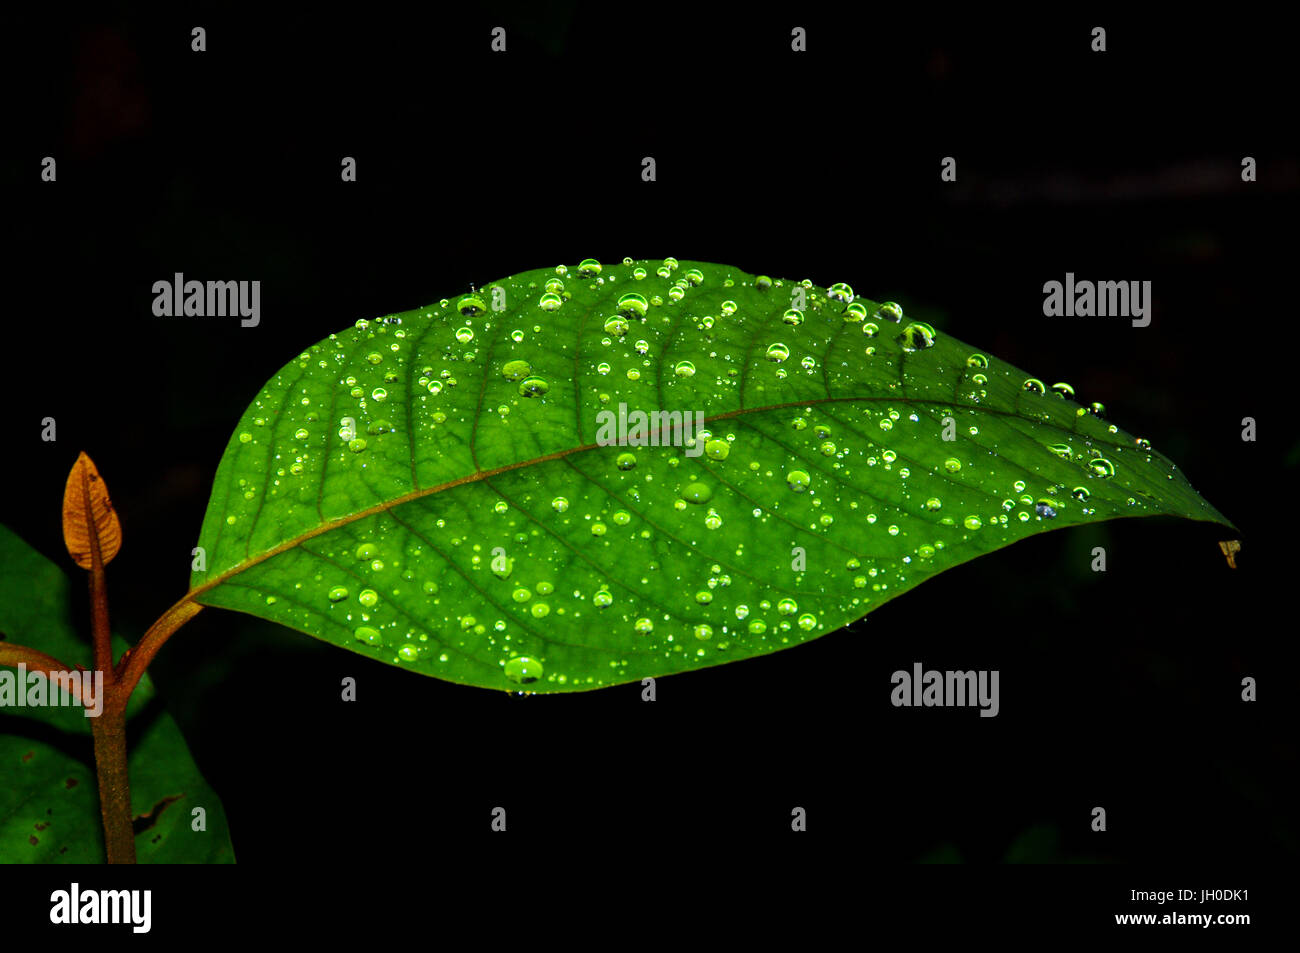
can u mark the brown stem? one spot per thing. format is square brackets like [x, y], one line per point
[14, 655]
[11, 653]
[109, 731]
[103, 638]
[109, 728]
[135, 660]
[93, 537]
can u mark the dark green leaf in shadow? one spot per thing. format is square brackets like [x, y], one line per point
[49, 806]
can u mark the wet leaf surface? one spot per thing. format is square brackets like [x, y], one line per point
[459, 489]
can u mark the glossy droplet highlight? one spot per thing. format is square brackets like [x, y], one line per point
[523, 670]
[717, 449]
[516, 370]
[696, 493]
[633, 303]
[916, 337]
[890, 311]
[1102, 467]
[469, 306]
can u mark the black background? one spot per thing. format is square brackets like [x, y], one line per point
[1118, 689]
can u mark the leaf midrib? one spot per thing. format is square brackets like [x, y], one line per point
[479, 475]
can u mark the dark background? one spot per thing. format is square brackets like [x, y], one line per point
[1118, 689]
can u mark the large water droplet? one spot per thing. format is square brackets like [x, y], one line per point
[696, 493]
[890, 311]
[916, 337]
[516, 370]
[798, 480]
[633, 303]
[717, 449]
[523, 670]
[469, 306]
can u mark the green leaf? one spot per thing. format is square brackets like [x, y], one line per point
[476, 436]
[49, 805]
